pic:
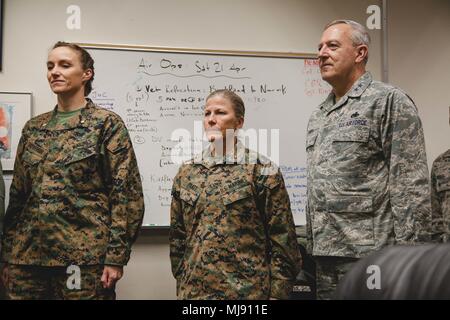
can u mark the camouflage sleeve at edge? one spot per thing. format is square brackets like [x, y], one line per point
[17, 197]
[404, 144]
[125, 196]
[177, 233]
[437, 216]
[285, 260]
[2, 199]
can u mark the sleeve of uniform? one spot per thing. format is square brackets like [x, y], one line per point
[125, 192]
[404, 148]
[2, 198]
[177, 235]
[285, 259]
[309, 234]
[17, 194]
[437, 216]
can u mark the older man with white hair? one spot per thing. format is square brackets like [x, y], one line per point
[367, 167]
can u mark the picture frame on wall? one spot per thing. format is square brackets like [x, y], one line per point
[1, 34]
[15, 111]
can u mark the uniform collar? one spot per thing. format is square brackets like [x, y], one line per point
[81, 120]
[355, 91]
[208, 160]
[360, 85]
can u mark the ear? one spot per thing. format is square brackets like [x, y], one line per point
[361, 53]
[87, 74]
[240, 123]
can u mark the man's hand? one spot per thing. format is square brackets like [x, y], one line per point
[111, 274]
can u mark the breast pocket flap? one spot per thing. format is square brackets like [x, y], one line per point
[32, 157]
[311, 140]
[236, 195]
[189, 196]
[442, 184]
[353, 134]
[350, 204]
[80, 153]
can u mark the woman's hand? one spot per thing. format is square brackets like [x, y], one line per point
[4, 273]
[111, 274]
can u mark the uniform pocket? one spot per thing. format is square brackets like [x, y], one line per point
[311, 140]
[240, 206]
[353, 219]
[33, 154]
[188, 205]
[31, 159]
[82, 168]
[232, 196]
[189, 196]
[350, 204]
[350, 151]
[80, 154]
[442, 185]
[352, 134]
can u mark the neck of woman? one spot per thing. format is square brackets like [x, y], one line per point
[224, 147]
[68, 103]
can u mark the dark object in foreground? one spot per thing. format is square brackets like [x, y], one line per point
[400, 272]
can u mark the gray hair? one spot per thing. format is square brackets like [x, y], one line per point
[359, 33]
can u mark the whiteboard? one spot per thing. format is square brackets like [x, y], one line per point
[157, 91]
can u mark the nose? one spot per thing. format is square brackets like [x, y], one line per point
[54, 72]
[323, 52]
[211, 119]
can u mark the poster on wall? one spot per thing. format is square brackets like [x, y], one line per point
[15, 111]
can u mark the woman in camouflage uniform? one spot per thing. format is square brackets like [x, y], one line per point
[76, 199]
[232, 232]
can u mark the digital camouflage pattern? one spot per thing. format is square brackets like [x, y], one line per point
[55, 283]
[2, 199]
[76, 195]
[368, 180]
[220, 215]
[440, 197]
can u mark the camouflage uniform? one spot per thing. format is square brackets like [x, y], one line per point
[76, 196]
[2, 199]
[2, 213]
[42, 283]
[232, 231]
[367, 172]
[440, 197]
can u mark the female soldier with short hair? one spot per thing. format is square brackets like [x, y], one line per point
[232, 232]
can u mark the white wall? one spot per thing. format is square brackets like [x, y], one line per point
[32, 26]
[419, 62]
